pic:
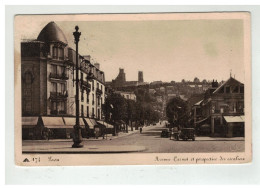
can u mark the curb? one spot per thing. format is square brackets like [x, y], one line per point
[89, 149]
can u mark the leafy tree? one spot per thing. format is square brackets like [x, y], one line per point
[196, 80]
[177, 112]
[131, 112]
[115, 108]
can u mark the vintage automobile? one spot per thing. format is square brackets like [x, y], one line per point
[187, 133]
[174, 133]
[165, 133]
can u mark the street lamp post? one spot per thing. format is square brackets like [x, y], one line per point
[77, 131]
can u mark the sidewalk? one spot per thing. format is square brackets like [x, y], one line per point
[206, 138]
[65, 146]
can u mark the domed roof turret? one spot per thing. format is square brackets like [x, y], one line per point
[52, 33]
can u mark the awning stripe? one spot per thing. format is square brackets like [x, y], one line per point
[52, 121]
[234, 119]
[106, 124]
[29, 121]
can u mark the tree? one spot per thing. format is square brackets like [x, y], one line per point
[131, 112]
[196, 80]
[177, 112]
[115, 108]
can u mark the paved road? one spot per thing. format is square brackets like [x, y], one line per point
[150, 138]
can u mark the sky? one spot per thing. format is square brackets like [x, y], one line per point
[165, 50]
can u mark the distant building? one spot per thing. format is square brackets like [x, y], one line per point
[127, 95]
[156, 83]
[120, 80]
[140, 77]
[152, 91]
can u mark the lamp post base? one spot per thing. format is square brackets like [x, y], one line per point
[77, 145]
[77, 137]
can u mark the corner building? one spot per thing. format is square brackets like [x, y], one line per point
[48, 83]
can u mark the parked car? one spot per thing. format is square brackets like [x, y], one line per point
[165, 133]
[187, 133]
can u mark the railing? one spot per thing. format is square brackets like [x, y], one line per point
[62, 76]
[85, 84]
[227, 111]
[99, 91]
[58, 96]
[56, 112]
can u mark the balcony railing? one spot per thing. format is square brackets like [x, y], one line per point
[59, 96]
[99, 91]
[56, 112]
[230, 111]
[61, 76]
[85, 84]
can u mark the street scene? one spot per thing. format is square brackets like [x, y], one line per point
[133, 87]
[149, 141]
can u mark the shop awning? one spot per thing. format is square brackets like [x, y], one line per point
[53, 122]
[91, 123]
[198, 103]
[29, 122]
[71, 121]
[107, 125]
[234, 119]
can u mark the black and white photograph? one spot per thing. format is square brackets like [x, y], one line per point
[112, 89]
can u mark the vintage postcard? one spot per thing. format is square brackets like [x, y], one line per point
[133, 89]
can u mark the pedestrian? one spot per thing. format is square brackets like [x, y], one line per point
[141, 129]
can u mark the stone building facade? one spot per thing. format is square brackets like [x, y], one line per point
[48, 78]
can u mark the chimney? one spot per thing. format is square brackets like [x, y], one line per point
[214, 84]
[87, 57]
[97, 65]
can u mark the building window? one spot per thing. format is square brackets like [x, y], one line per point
[101, 88]
[93, 85]
[59, 70]
[87, 111]
[93, 114]
[82, 111]
[62, 108]
[228, 89]
[234, 89]
[93, 99]
[81, 76]
[54, 69]
[87, 97]
[62, 88]
[61, 53]
[241, 89]
[97, 85]
[55, 52]
[53, 87]
[82, 95]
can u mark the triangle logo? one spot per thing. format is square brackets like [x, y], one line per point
[26, 160]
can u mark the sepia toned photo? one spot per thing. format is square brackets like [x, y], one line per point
[132, 89]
